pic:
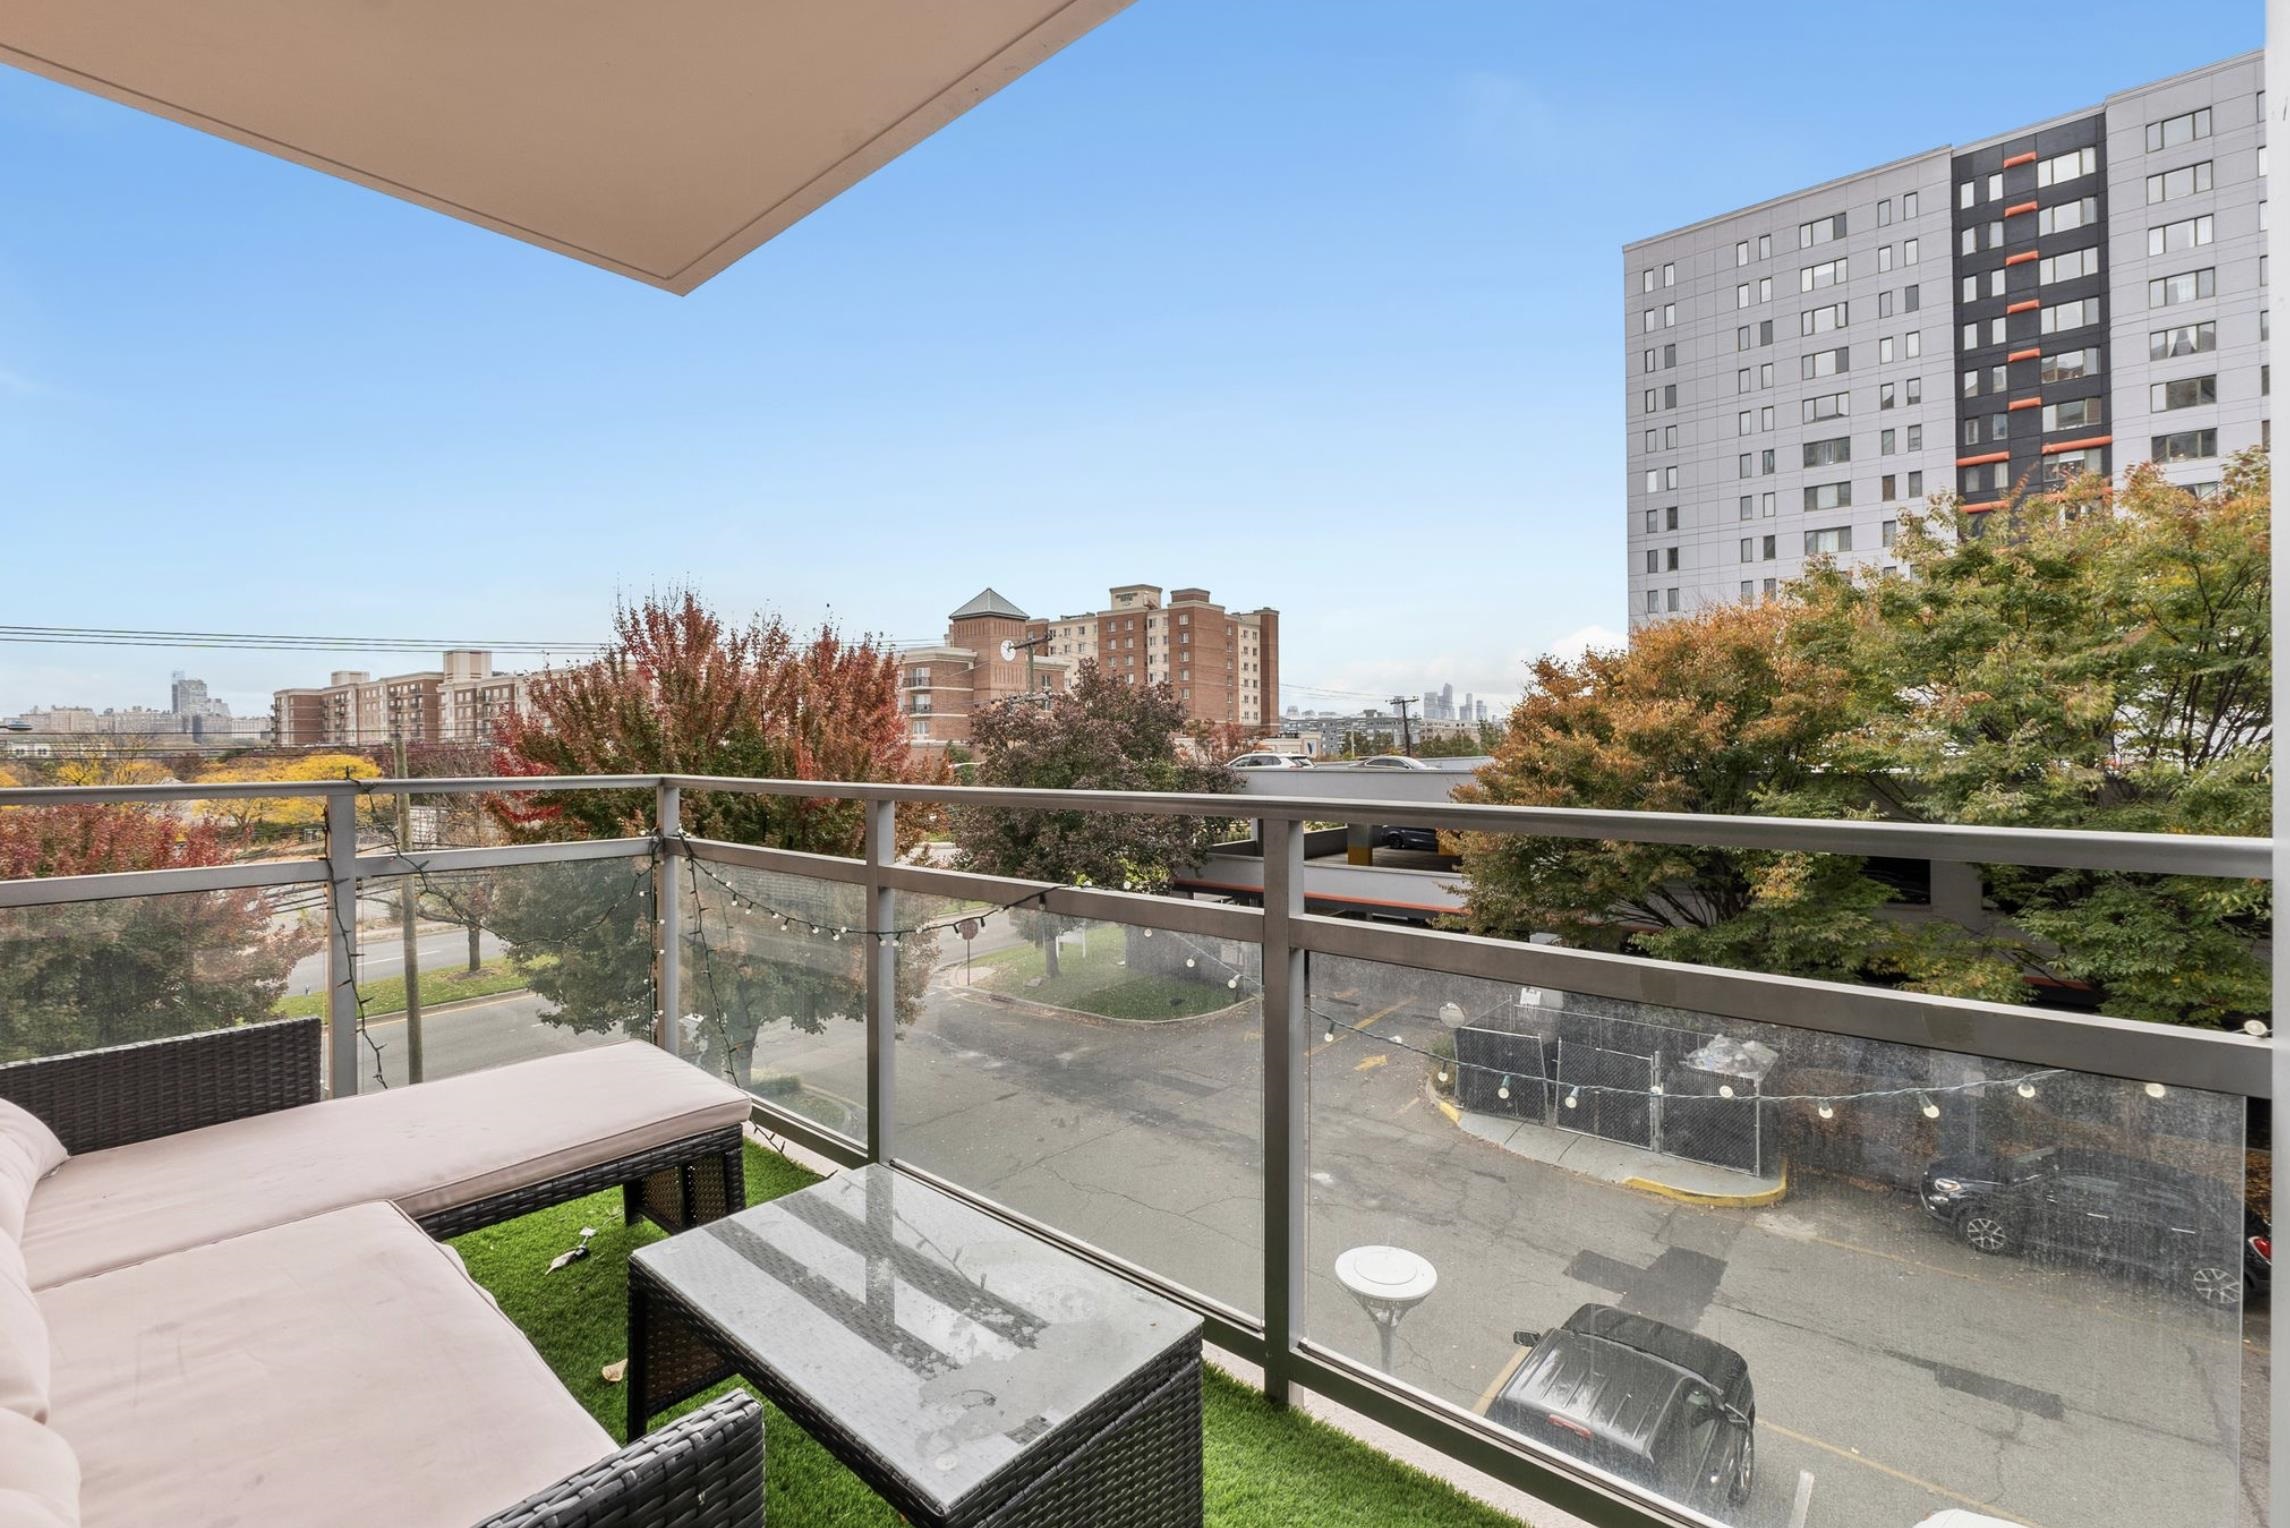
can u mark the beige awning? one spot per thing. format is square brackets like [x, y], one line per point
[662, 139]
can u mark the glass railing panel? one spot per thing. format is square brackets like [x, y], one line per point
[1103, 1078]
[84, 975]
[773, 999]
[507, 964]
[1711, 1255]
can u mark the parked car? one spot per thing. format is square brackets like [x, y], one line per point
[1665, 1408]
[1270, 761]
[1426, 839]
[1393, 761]
[2095, 1206]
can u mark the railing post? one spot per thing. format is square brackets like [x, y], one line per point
[881, 965]
[667, 920]
[342, 943]
[1286, 1102]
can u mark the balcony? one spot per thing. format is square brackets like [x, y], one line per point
[1972, 1255]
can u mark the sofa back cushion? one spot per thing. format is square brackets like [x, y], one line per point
[29, 1151]
[24, 1348]
[39, 1476]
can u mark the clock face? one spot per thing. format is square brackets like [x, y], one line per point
[1009, 649]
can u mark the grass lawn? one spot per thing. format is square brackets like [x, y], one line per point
[387, 994]
[1263, 1466]
[1097, 982]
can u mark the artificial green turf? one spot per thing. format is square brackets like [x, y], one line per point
[1263, 1466]
[387, 994]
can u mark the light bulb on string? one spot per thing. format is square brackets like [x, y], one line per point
[2026, 1089]
[2156, 1090]
[1654, 1089]
[1930, 1108]
[1188, 962]
[1233, 984]
[1148, 933]
[839, 935]
[1331, 1031]
[1503, 1088]
[1825, 1109]
[1443, 1074]
[1725, 1090]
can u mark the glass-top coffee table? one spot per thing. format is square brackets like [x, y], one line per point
[966, 1371]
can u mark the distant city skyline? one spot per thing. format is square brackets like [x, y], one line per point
[1329, 299]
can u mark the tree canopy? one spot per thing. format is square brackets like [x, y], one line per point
[2099, 661]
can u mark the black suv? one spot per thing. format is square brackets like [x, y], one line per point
[1664, 1408]
[2186, 1230]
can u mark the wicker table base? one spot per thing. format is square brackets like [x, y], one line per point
[876, 1394]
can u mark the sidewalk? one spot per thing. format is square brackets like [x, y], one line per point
[1631, 1166]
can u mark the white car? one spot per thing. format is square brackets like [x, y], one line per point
[1393, 761]
[1270, 761]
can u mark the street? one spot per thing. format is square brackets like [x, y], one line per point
[437, 947]
[1904, 1371]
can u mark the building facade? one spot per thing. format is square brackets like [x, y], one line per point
[2085, 293]
[463, 702]
[1224, 666]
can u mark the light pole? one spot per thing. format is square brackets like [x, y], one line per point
[1388, 1282]
[1010, 651]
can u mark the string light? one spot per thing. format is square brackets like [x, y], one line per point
[1929, 1106]
[1725, 1090]
[782, 919]
[2156, 1090]
[1825, 1109]
[1188, 962]
[2026, 1089]
[1443, 1074]
[1505, 1090]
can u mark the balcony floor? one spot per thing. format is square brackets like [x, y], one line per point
[1262, 1466]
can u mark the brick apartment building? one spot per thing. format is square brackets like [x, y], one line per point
[462, 702]
[1223, 665]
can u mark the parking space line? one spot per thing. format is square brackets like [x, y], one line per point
[1900, 1475]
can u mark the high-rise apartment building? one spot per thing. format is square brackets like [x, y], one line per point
[2084, 293]
[1223, 665]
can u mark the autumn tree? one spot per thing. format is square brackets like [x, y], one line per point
[254, 819]
[681, 691]
[1100, 734]
[84, 974]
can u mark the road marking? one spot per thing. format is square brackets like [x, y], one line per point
[1917, 1481]
[1372, 1062]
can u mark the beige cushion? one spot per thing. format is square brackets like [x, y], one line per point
[425, 1148]
[29, 1151]
[39, 1478]
[23, 1341]
[339, 1370]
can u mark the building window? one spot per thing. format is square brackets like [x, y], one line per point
[1916, 485]
[1910, 300]
[1889, 532]
[2074, 414]
[1885, 440]
[1748, 509]
[1821, 496]
[1885, 395]
[1820, 231]
[1765, 246]
[1823, 363]
[1908, 252]
[2068, 365]
[2067, 215]
[1968, 243]
[1741, 253]
[1741, 295]
[1912, 343]
[2187, 339]
[2061, 317]
[1746, 594]
[1908, 206]
[1670, 517]
[2187, 180]
[1765, 371]
[1646, 279]
[1916, 437]
[2072, 165]
[1996, 186]
[1670, 559]
[1742, 422]
[2182, 393]
[1913, 390]
[1884, 304]
[1669, 315]
[2171, 238]
[1827, 453]
[1653, 601]
[1669, 599]
[1884, 350]
[1825, 543]
[2066, 465]
[1884, 213]
[1826, 406]
[1884, 258]
[2173, 131]
[1964, 194]
[1823, 320]
[2067, 267]
[2187, 286]
[2185, 446]
[1765, 506]
[1669, 275]
[1828, 273]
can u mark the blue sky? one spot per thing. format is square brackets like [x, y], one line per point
[1314, 304]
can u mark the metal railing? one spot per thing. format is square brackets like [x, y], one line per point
[1285, 933]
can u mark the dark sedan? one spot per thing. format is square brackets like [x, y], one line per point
[2185, 1230]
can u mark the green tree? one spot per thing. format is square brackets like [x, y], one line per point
[2100, 662]
[1100, 734]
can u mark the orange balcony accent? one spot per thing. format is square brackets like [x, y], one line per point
[2078, 445]
[2028, 158]
[2025, 254]
[1982, 461]
[2017, 208]
[1981, 509]
[2027, 305]
[2028, 354]
[2025, 403]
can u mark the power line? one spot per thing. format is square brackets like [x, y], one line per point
[125, 636]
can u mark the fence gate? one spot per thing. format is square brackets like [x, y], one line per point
[1491, 1062]
[1615, 1101]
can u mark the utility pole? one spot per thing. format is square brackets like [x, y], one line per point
[406, 920]
[1406, 740]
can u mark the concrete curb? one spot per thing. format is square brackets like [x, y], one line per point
[1750, 1201]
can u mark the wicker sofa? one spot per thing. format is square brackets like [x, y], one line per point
[221, 1299]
